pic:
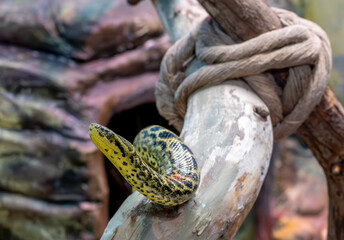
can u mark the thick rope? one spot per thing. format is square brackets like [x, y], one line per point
[299, 42]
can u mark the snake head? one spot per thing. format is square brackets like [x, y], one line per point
[110, 143]
[97, 129]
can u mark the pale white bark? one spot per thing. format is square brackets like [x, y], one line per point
[227, 128]
[232, 144]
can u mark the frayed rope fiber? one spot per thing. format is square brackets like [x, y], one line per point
[298, 43]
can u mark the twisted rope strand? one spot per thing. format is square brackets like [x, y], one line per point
[298, 43]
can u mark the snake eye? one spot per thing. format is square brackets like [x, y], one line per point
[109, 135]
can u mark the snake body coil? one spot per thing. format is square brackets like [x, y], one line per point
[159, 165]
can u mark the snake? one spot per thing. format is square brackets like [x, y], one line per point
[158, 164]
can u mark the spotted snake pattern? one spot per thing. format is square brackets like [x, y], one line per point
[158, 164]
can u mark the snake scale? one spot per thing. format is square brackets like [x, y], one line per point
[158, 164]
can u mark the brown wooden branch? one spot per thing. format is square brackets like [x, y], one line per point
[242, 20]
[323, 132]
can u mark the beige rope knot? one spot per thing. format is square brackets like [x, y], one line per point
[299, 42]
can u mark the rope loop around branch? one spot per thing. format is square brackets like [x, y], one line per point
[298, 43]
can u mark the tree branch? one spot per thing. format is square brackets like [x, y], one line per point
[323, 132]
[232, 149]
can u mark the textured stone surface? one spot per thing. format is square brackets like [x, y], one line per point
[64, 64]
[80, 29]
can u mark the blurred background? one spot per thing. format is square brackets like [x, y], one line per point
[65, 64]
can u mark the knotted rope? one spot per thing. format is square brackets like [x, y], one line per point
[299, 42]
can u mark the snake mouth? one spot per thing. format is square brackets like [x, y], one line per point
[100, 135]
[103, 137]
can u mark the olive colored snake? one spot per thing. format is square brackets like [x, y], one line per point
[158, 165]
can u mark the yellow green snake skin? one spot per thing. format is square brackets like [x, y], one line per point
[158, 164]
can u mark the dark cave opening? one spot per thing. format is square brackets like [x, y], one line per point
[127, 124]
